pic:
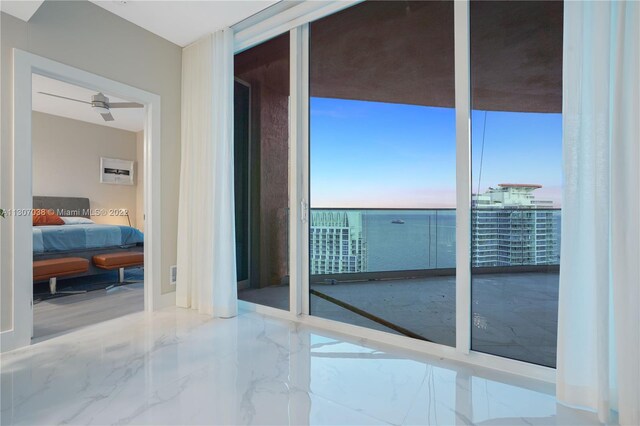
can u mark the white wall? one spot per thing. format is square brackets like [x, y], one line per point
[66, 162]
[140, 187]
[85, 36]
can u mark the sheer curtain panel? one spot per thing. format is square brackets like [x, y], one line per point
[206, 275]
[599, 303]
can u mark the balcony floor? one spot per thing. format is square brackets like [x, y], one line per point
[513, 314]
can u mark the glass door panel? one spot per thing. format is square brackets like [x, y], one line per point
[242, 112]
[383, 168]
[516, 76]
[263, 211]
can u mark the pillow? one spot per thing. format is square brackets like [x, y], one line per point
[76, 220]
[43, 217]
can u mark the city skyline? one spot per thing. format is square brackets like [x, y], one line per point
[373, 154]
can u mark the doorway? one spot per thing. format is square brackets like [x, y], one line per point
[25, 65]
[88, 219]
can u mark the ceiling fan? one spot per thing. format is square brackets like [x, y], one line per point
[100, 103]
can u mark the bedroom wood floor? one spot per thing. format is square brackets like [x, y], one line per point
[60, 315]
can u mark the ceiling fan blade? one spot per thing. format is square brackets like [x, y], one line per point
[107, 116]
[125, 105]
[64, 97]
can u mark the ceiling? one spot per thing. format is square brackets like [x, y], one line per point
[183, 22]
[131, 119]
[23, 9]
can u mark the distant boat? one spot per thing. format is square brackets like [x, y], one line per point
[398, 221]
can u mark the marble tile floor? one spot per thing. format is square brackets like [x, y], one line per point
[178, 367]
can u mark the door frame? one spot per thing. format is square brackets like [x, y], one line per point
[24, 65]
[244, 284]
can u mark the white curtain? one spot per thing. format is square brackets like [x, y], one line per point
[206, 276]
[599, 302]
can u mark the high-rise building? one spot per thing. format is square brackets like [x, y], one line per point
[336, 242]
[511, 227]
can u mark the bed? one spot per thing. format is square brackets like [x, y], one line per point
[80, 240]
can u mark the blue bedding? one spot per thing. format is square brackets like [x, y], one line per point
[80, 237]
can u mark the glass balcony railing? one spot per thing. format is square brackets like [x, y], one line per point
[357, 241]
[394, 270]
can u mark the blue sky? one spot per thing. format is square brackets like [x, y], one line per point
[372, 154]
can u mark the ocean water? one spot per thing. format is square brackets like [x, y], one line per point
[426, 240]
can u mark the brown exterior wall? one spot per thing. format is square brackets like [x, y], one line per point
[266, 69]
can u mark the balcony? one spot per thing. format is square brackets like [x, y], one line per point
[403, 279]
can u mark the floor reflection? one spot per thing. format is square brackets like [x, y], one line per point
[178, 367]
[515, 314]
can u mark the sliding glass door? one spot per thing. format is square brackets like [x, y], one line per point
[516, 78]
[407, 179]
[242, 165]
[261, 149]
[382, 168]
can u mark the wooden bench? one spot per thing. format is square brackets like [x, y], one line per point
[119, 261]
[52, 269]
